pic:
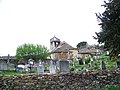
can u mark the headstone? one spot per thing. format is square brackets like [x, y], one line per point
[118, 64]
[80, 61]
[40, 62]
[31, 64]
[31, 61]
[33, 69]
[84, 61]
[40, 69]
[52, 67]
[91, 62]
[20, 68]
[64, 66]
[107, 52]
[102, 65]
[3, 65]
[57, 66]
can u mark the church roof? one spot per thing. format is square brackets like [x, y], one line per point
[63, 47]
[54, 39]
[89, 51]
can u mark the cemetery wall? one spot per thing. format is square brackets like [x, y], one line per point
[66, 81]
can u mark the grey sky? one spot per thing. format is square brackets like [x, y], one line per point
[36, 21]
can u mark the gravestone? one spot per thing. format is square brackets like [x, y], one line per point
[91, 62]
[64, 66]
[102, 65]
[31, 64]
[52, 67]
[40, 62]
[3, 65]
[80, 61]
[20, 68]
[118, 64]
[57, 66]
[40, 69]
[83, 61]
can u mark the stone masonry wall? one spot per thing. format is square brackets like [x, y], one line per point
[66, 81]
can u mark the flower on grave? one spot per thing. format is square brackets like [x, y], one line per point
[114, 58]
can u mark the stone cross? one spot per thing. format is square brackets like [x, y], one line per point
[8, 61]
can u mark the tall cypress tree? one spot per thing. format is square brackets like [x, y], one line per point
[109, 21]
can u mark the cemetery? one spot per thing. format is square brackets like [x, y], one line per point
[91, 69]
[62, 66]
[90, 73]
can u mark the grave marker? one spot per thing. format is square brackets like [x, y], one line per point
[64, 66]
[118, 64]
[91, 62]
[52, 67]
[40, 69]
[102, 65]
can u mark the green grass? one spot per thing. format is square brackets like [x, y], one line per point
[111, 87]
[10, 73]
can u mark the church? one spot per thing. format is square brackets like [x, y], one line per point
[61, 50]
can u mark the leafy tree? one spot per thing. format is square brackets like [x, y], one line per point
[31, 51]
[109, 21]
[82, 44]
[97, 46]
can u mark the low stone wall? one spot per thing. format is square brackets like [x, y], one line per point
[68, 81]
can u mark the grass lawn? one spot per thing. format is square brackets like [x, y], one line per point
[114, 87]
[10, 73]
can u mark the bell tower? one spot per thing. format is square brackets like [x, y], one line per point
[54, 43]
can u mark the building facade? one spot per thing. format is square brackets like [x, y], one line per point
[60, 50]
[64, 51]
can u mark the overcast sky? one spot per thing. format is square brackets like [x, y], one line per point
[36, 21]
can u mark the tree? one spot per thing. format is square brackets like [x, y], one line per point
[109, 21]
[31, 51]
[82, 44]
